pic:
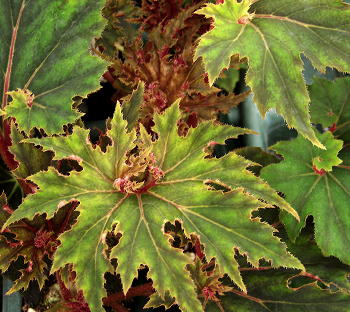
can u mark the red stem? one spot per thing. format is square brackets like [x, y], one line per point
[10, 57]
[26, 226]
[242, 294]
[65, 292]
[271, 16]
[108, 76]
[5, 140]
[141, 290]
[314, 277]
[256, 269]
[344, 167]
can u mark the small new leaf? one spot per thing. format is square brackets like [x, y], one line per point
[272, 35]
[131, 106]
[25, 153]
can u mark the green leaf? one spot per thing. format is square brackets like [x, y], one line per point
[228, 80]
[320, 192]
[330, 105]
[268, 291]
[258, 156]
[25, 154]
[131, 106]
[176, 154]
[272, 35]
[141, 189]
[156, 301]
[330, 270]
[45, 60]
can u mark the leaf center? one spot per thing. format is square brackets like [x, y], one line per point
[139, 174]
[23, 96]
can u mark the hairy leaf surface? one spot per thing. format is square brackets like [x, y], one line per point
[322, 192]
[330, 105]
[272, 35]
[44, 54]
[141, 189]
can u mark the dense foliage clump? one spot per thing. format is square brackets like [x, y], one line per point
[127, 185]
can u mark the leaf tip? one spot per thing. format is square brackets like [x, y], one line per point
[318, 144]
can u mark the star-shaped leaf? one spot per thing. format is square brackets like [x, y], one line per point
[321, 190]
[330, 105]
[139, 189]
[272, 35]
[44, 59]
